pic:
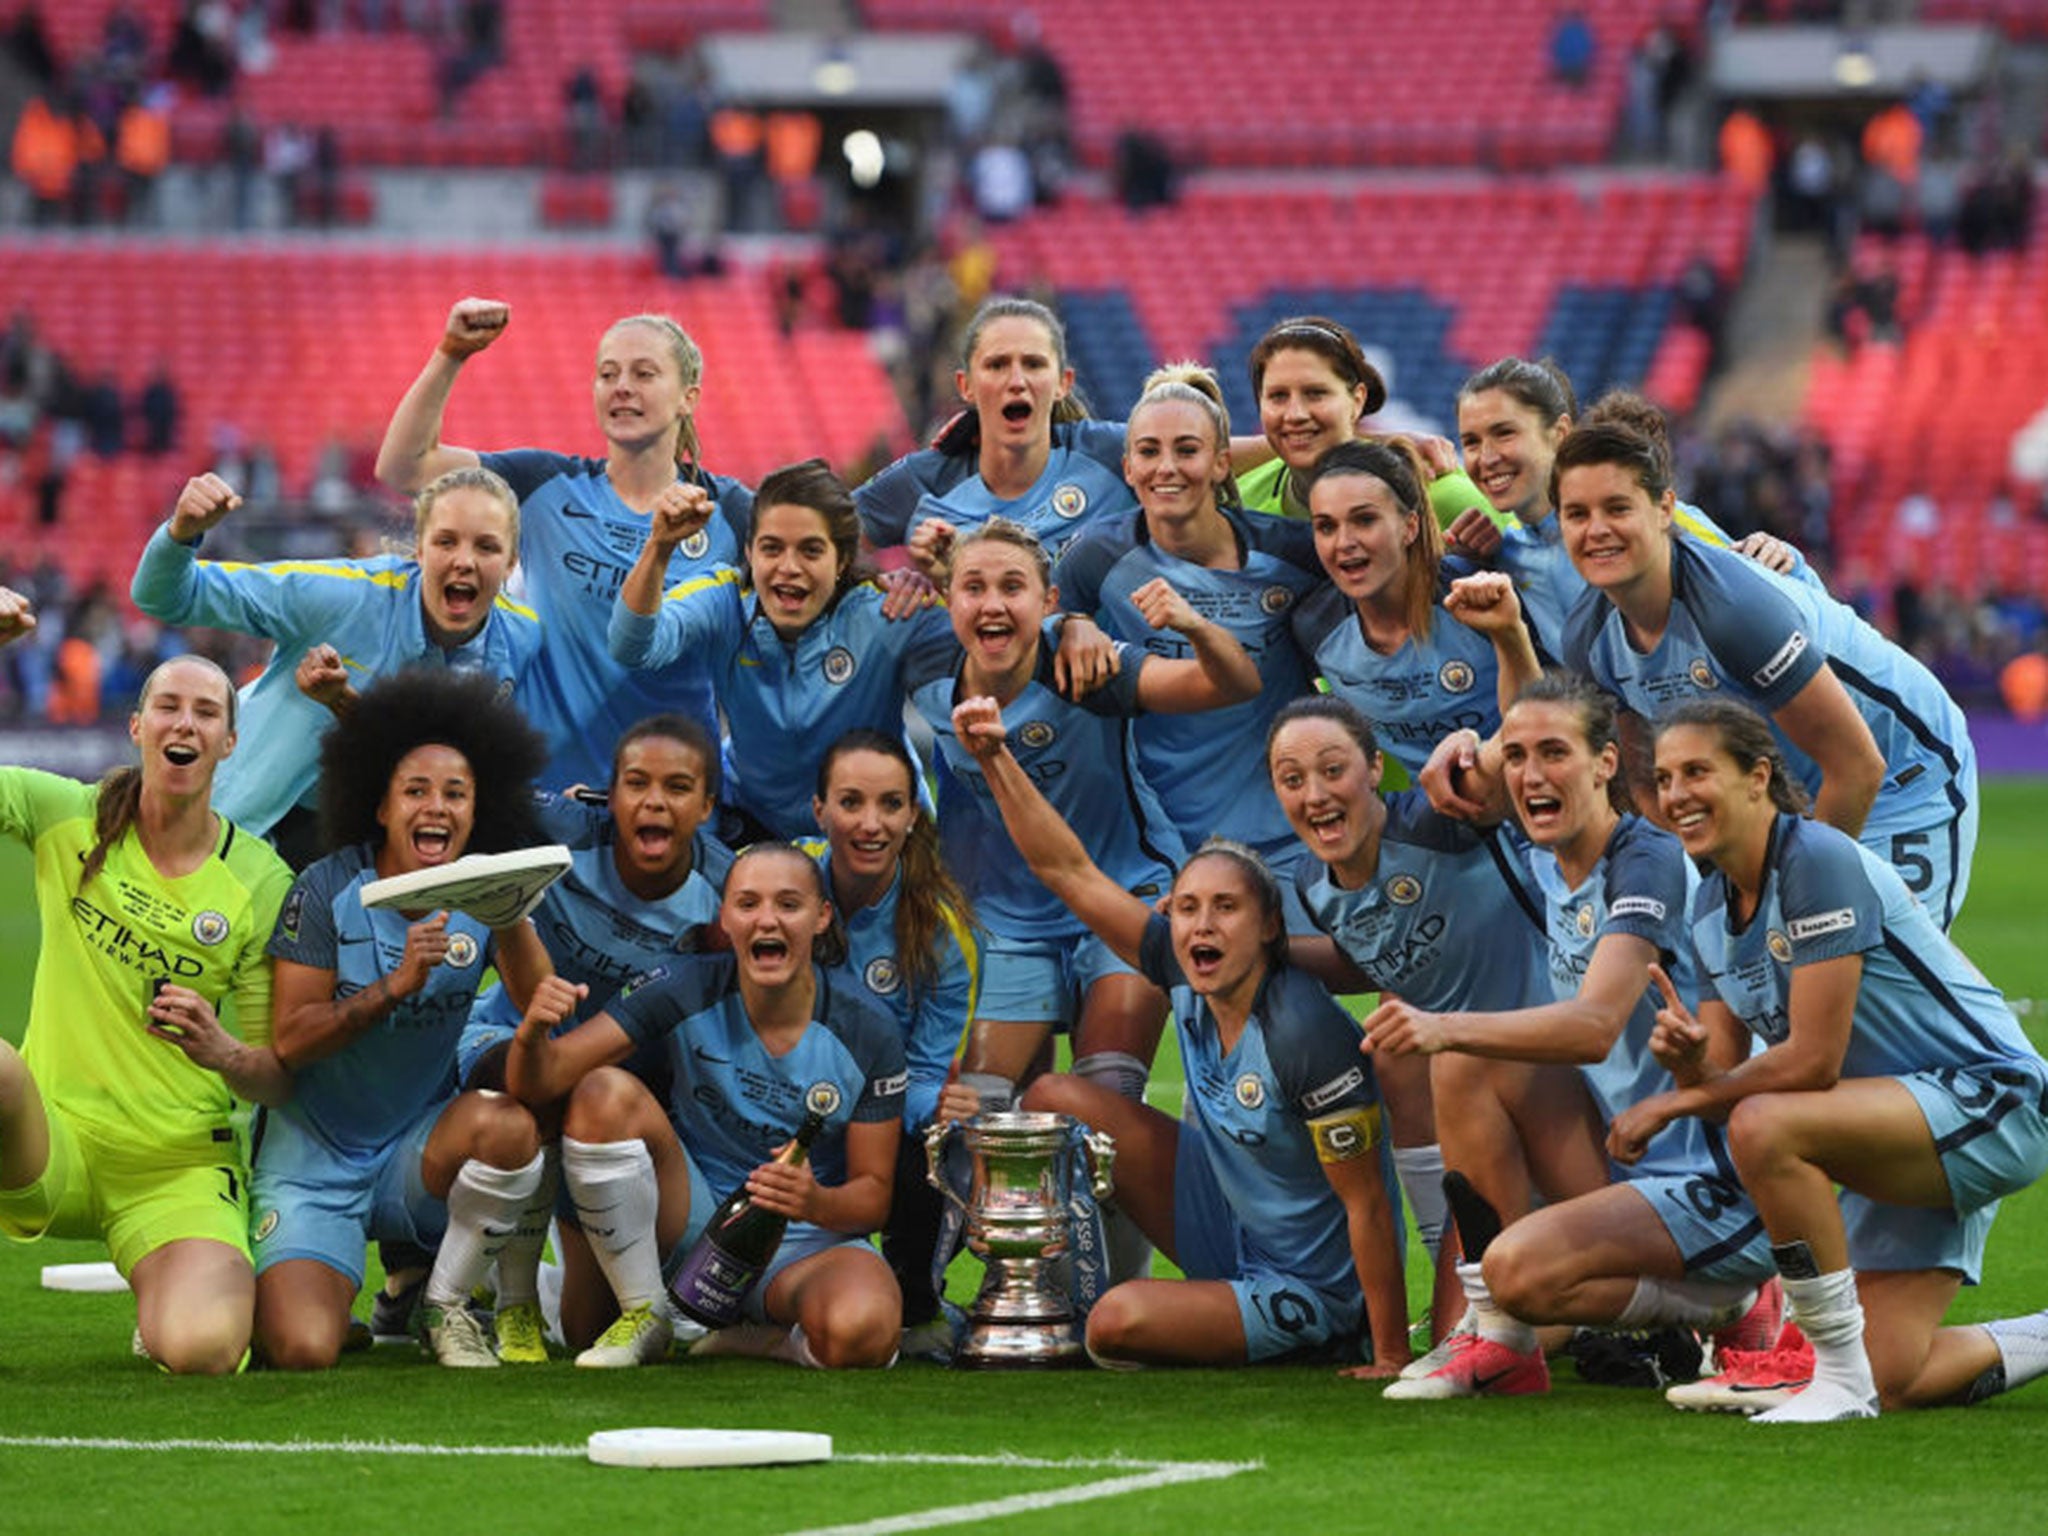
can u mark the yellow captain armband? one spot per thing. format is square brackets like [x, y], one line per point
[1348, 1134]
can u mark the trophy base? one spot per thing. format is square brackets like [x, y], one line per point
[1052, 1346]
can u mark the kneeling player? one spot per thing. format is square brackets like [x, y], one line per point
[370, 1007]
[1270, 1196]
[755, 1038]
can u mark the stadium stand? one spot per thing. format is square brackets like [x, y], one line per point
[299, 344]
[1976, 326]
[1442, 277]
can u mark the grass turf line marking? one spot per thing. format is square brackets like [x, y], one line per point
[1142, 1475]
[1163, 1474]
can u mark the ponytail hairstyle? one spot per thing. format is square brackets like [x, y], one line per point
[1747, 738]
[927, 895]
[1265, 889]
[689, 361]
[1196, 385]
[1328, 339]
[812, 485]
[120, 789]
[1599, 726]
[1396, 466]
[1003, 306]
[1543, 386]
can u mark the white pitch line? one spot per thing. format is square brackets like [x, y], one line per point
[1161, 1475]
[1143, 1475]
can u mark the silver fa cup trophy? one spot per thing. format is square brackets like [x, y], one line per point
[1019, 1223]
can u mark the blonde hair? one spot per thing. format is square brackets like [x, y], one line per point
[689, 361]
[1195, 384]
[473, 478]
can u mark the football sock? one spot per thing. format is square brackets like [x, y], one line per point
[1489, 1321]
[1478, 1222]
[1421, 1172]
[1827, 1311]
[1700, 1304]
[613, 1186]
[484, 1205]
[1129, 1250]
[2022, 1354]
[519, 1259]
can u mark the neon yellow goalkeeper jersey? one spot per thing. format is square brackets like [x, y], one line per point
[106, 948]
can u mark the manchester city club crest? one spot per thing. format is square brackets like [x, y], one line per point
[1404, 890]
[210, 927]
[1456, 676]
[1251, 1090]
[1779, 946]
[1069, 501]
[1583, 921]
[1274, 599]
[839, 664]
[461, 951]
[265, 1225]
[697, 545]
[1702, 674]
[1036, 734]
[822, 1098]
[882, 976]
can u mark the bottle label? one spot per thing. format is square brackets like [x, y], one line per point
[712, 1285]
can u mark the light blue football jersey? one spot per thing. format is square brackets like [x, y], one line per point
[1208, 768]
[577, 541]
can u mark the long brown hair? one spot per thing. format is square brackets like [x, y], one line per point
[1746, 737]
[1401, 471]
[120, 796]
[927, 895]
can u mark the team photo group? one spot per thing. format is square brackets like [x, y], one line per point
[1635, 1001]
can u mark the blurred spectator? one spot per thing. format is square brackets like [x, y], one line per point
[1703, 301]
[2023, 684]
[1998, 207]
[1747, 154]
[1917, 515]
[52, 141]
[287, 157]
[999, 181]
[104, 418]
[242, 158]
[671, 227]
[28, 46]
[583, 115]
[157, 408]
[202, 52]
[1572, 46]
[142, 150]
[736, 142]
[1145, 173]
[1891, 141]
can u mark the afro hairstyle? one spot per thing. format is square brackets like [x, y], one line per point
[431, 707]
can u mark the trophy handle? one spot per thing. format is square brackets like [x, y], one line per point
[935, 1137]
[1101, 1158]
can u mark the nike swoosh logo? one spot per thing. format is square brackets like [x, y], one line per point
[597, 1210]
[1481, 1383]
[490, 1231]
[701, 1054]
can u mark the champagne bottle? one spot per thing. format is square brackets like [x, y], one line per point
[737, 1244]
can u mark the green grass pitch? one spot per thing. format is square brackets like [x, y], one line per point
[1275, 1449]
